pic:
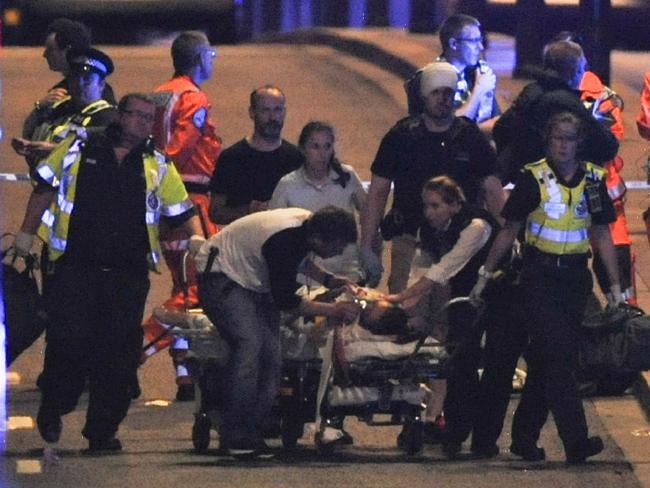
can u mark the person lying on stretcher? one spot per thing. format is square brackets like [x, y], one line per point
[382, 329]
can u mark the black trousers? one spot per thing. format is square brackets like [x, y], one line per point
[506, 339]
[94, 332]
[555, 299]
[461, 402]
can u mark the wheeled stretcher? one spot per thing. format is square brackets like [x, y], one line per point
[375, 379]
[339, 374]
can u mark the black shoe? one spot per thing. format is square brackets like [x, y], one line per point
[185, 393]
[590, 447]
[485, 452]
[49, 427]
[271, 431]
[451, 449]
[528, 452]
[432, 433]
[112, 444]
[250, 452]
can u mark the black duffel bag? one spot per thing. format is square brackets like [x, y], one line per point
[616, 339]
[25, 317]
[637, 343]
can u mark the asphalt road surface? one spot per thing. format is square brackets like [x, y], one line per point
[363, 101]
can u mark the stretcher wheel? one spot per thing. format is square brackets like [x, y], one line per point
[410, 439]
[201, 432]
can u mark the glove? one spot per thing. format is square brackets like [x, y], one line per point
[477, 291]
[23, 243]
[372, 266]
[615, 297]
[194, 244]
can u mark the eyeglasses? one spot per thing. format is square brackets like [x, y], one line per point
[471, 40]
[141, 115]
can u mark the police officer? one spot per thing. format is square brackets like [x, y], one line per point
[106, 194]
[61, 36]
[462, 46]
[562, 202]
[83, 107]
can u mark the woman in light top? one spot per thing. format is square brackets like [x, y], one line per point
[323, 180]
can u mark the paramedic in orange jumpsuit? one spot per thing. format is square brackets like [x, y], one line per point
[185, 130]
[607, 105]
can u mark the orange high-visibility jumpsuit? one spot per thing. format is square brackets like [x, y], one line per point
[184, 129]
[610, 107]
[643, 117]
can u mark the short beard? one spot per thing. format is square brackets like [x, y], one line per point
[267, 135]
[440, 119]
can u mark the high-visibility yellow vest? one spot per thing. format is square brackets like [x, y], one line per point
[58, 130]
[560, 224]
[165, 195]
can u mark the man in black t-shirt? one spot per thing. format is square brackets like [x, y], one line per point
[414, 150]
[249, 170]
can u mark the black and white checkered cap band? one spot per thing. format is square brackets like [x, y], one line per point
[92, 63]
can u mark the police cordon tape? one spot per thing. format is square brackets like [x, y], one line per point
[630, 185]
[14, 177]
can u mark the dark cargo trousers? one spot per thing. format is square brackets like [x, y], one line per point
[94, 333]
[555, 299]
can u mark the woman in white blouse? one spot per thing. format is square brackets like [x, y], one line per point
[323, 180]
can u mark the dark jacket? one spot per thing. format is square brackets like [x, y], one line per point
[438, 243]
[519, 131]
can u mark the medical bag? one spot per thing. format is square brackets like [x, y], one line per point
[23, 309]
[616, 340]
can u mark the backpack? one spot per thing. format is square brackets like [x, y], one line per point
[25, 317]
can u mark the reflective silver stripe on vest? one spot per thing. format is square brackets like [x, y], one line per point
[48, 218]
[71, 155]
[202, 179]
[57, 243]
[155, 257]
[176, 209]
[64, 205]
[557, 235]
[48, 175]
[616, 192]
[167, 117]
[151, 218]
[54, 242]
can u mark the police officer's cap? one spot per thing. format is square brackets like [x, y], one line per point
[90, 59]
